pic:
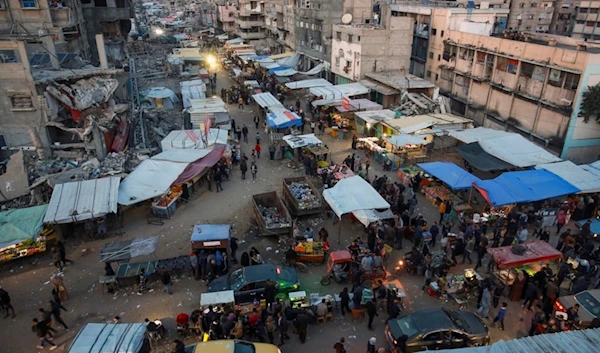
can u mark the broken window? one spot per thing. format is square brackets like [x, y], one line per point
[338, 35]
[100, 3]
[535, 72]
[449, 52]
[9, 56]
[480, 57]
[28, 4]
[428, 74]
[506, 64]
[572, 81]
[253, 5]
[466, 54]
[21, 102]
[446, 74]
[350, 37]
[556, 78]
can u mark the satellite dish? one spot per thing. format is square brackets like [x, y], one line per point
[347, 18]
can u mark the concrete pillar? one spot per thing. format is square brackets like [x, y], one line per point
[98, 142]
[49, 44]
[41, 148]
[101, 51]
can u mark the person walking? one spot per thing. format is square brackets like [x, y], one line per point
[55, 308]
[257, 148]
[5, 301]
[345, 301]
[367, 165]
[244, 166]
[500, 315]
[538, 319]
[486, 300]
[272, 150]
[165, 279]
[245, 133]
[257, 137]
[282, 326]
[234, 246]
[56, 259]
[256, 121]
[195, 264]
[218, 179]
[142, 281]
[241, 103]
[372, 312]
[301, 324]
[442, 210]
[312, 126]
[253, 170]
[339, 346]
[58, 286]
[41, 330]
[371, 345]
[238, 133]
[62, 252]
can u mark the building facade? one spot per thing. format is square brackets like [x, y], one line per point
[226, 18]
[532, 86]
[587, 22]
[563, 17]
[363, 48]
[530, 16]
[250, 22]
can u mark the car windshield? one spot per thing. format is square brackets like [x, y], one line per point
[589, 303]
[244, 347]
[284, 274]
[236, 279]
[458, 320]
[408, 326]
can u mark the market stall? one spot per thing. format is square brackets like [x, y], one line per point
[211, 236]
[368, 123]
[527, 257]
[311, 251]
[448, 180]
[124, 251]
[307, 144]
[278, 117]
[22, 232]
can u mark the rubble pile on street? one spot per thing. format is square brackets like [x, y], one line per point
[273, 218]
[305, 195]
[159, 123]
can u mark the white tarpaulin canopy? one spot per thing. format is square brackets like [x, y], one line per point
[266, 100]
[354, 194]
[182, 155]
[575, 175]
[128, 249]
[142, 184]
[290, 72]
[83, 200]
[193, 139]
[194, 89]
[518, 151]
[234, 41]
[477, 134]
[339, 91]
[297, 141]
[290, 61]
[215, 298]
[109, 338]
[285, 73]
[403, 140]
[317, 82]
[367, 217]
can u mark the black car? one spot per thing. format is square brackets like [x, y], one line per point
[438, 329]
[249, 282]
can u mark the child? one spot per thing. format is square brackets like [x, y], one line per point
[253, 154]
[253, 169]
[500, 316]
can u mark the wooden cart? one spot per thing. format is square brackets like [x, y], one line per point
[297, 207]
[271, 199]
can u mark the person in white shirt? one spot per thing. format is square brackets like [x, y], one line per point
[322, 308]
[367, 263]
[522, 236]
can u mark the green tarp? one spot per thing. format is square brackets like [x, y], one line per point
[21, 224]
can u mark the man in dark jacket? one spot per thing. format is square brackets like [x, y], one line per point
[372, 312]
[55, 309]
[41, 330]
[269, 293]
[165, 279]
[282, 326]
[301, 324]
[234, 246]
[5, 301]
[179, 347]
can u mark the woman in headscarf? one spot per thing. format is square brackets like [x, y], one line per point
[245, 259]
[58, 285]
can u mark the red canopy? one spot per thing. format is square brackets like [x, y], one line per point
[538, 251]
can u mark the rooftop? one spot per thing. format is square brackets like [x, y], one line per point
[47, 75]
[553, 40]
[400, 80]
[451, 6]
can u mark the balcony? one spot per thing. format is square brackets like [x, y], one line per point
[250, 23]
[60, 17]
[251, 35]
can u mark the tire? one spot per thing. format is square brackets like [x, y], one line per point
[326, 280]
[337, 280]
[301, 267]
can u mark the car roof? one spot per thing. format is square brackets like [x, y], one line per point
[260, 273]
[431, 320]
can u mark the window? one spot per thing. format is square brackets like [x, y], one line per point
[535, 72]
[428, 74]
[358, 38]
[480, 57]
[522, 5]
[506, 64]
[21, 102]
[337, 61]
[589, 24]
[28, 4]
[466, 54]
[350, 37]
[439, 57]
[430, 55]
[579, 22]
[571, 81]
[530, 17]
[253, 5]
[533, 4]
[462, 81]
[446, 75]
[338, 35]
[100, 3]
[594, 10]
[8, 56]
[442, 34]
[433, 31]
[528, 28]
[437, 77]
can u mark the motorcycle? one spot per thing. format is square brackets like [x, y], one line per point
[337, 273]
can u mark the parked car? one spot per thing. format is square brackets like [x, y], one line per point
[249, 282]
[438, 329]
[231, 346]
[589, 306]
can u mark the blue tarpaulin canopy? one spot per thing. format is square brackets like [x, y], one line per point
[524, 186]
[211, 232]
[280, 68]
[281, 118]
[258, 57]
[451, 174]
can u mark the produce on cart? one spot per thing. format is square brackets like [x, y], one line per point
[311, 251]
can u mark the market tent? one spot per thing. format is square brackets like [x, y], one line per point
[82, 200]
[193, 139]
[126, 250]
[280, 118]
[150, 179]
[211, 232]
[194, 89]
[339, 91]
[317, 82]
[375, 116]
[113, 338]
[479, 159]
[258, 57]
[451, 174]
[182, 155]
[360, 104]
[518, 151]
[197, 167]
[403, 140]
[537, 251]
[523, 186]
[477, 134]
[287, 54]
[269, 65]
[234, 41]
[297, 141]
[161, 95]
[367, 217]
[289, 61]
[575, 175]
[353, 194]
[266, 100]
[594, 227]
[285, 72]
[18, 225]
[314, 71]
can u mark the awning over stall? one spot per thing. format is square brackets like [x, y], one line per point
[537, 251]
[101, 338]
[317, 82]
[18, 225]
[524, 186]
[297, 141]
[216, 298]
[451, 174]
[339, 91]
[403, 140]
[479, 159]
[360, 104]
[211, 232]
[367, 217]
[280, 118]
[193, 139]
[266, 100]
[574, 175]
[126, 250]
[375, 116]
[353, 194]
[82, 200]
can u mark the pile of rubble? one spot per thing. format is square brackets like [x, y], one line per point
[158, 124]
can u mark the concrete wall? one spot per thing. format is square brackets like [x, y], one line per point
[15, 182]
[16, 81]
[534, 15]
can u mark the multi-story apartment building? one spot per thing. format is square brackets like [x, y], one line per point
[430, 24]
[250, 21]
[358, 49]
[530, 84]
[587, 21]
[532, 15]
[313, 26]
[563, 17]
[226, 18]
